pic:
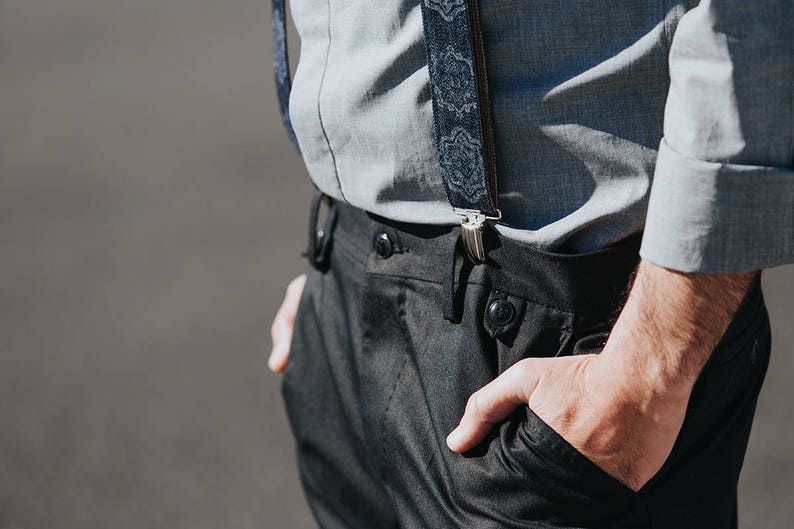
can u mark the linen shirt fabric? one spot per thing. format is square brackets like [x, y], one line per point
[610, 117]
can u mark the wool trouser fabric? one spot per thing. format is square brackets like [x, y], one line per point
[377, 378]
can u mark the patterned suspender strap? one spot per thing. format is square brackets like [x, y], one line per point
[462, 115]
[281, 66]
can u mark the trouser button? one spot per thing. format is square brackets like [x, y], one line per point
[501, 312]
[383, 245]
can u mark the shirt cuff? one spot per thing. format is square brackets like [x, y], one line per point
[711, 217]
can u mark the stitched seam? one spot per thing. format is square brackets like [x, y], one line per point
[382, 421]
[395, 385]
[319, 110]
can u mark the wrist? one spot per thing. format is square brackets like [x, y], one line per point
[671, 324]
[645, 350]
[646, 375]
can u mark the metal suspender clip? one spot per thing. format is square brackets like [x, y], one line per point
[471, 229]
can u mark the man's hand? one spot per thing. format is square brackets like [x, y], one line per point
[284, 323]
[626, 426]
[624, 407]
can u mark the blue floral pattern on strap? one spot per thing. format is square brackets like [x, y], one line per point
[455, 69]
[448, 9]
[462, 159]
[456, 109]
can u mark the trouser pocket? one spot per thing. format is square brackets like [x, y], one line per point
[696, 488]
[543, 479]
[424, 369]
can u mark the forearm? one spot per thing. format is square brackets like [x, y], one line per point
[672, 321]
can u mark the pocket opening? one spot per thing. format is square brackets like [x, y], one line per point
[553, 444]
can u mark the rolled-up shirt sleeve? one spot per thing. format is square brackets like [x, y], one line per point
[722, 197]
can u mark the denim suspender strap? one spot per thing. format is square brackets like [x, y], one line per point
[281, 66]
[462, 115]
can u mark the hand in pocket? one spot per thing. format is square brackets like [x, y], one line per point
[611, 413]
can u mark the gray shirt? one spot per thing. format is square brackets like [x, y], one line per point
[610, 116]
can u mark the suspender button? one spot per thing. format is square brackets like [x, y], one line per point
[501, 312]
[383, 245]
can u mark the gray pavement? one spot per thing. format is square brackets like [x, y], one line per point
[151, 213]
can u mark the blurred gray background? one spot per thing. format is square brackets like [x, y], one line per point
[151, 214]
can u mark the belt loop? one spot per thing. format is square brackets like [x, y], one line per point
[318, 250]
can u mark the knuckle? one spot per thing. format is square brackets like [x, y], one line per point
[475, 407]
[523, 369]
[471, 404]
[525, 377]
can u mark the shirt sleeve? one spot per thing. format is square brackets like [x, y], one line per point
[722, 197]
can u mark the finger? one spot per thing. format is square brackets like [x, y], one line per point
[284, 323]
[282, 336]
[490, 405]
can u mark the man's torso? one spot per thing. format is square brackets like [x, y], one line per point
[577, 90]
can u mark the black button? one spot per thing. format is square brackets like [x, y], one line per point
[383, 245]
[501, 312]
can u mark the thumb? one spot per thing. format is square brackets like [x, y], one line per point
[284, 324]
[491, 404]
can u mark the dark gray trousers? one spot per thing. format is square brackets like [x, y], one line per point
[377, 378]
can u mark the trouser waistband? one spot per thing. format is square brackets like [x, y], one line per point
[592, 283]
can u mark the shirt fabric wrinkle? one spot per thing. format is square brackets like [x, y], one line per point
[610, 118]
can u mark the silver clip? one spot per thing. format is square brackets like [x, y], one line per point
[471, 229]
